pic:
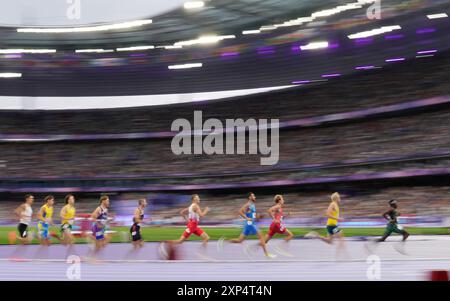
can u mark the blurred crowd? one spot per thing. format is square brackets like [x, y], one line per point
[365, 89]
[416, 134]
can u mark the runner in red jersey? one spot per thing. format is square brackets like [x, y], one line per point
[277, 226]
[193, 213]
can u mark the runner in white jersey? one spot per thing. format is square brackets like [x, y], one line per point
[25, 213]
[192, 215]
[194, 212]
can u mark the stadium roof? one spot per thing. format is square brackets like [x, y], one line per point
[217, 16]
[287, 46]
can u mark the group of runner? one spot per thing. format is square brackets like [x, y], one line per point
[24, 212]
[191, 214]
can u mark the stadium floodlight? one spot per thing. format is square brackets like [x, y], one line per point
[268, 27]
[99, 50]
[194, 4]
[296, 22]
[255, 31]
[135, 48]
[170, 47]
[204, 40]
[325, 13]
[9, 51]
[10, 75]
[123, 25]
[185, 66]
[314, 45]
[437, 16]
[366, 1]
[374, 32]
[322, 13]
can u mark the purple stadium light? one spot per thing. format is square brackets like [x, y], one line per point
[333, 45]
[12, 56]
[138, 55]
[398, 59]
[227, 54]
[295, 48]
[427, 51]
[394, 36]
[363, 41]
[266, 50]
[365, 67]
[425, 30]
[331, 75]
[301, 82]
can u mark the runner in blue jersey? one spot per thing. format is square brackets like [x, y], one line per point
[100, 219]
[248, 213]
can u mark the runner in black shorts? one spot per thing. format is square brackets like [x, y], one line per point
[135, 229]
[25, 213]
[22, 228]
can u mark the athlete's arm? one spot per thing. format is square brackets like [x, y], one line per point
[95, 214]
[63, 213]
[40, 215]
[330, 211]
[243, 211]
[387, 216]
[272, 210]
[19, 210]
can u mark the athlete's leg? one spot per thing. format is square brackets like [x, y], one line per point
[399, 229]
[267, 238]
[383, 238]
[328, 239]
[179, 240]
[205, 238]
[341, 249]
[272, 231]
[405, 235]
[386, 234]
[238, 240]
[340, 236]
[262, 242]
[289, 236]
[68, 241]
[107, 239]
[43, 235]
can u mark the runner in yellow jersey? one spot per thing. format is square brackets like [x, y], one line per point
[332, 222]
[67, 215]
[45, 219]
